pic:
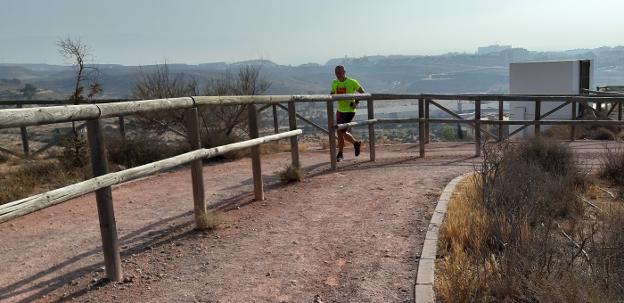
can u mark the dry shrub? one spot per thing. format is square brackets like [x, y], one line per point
[548, 154]
[212, 220]
[3, 158]
[75, 153]
[139, 151]
[612, 167]
[503, 241]
[608, 251]
[559, 132]
[601, 133]
[37, 176]
[291, 174]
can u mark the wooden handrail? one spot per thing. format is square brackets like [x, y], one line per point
[27, 205]
[57, 114]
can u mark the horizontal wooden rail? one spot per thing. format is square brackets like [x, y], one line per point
[47, 115]
[401, 120]
[504, 97]
[356, 123]
[57, 114]
[57, 102]
[553, 122]
[27, 205]
[600, 96]
[275, 99]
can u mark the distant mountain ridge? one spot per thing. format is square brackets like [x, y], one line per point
[446, 73]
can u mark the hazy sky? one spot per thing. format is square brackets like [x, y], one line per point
[134, 32]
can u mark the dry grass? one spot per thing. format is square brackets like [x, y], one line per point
[34, 177]
[212, 220]
[517, 233]
[291, 174]
[138, 151]
[464, 230]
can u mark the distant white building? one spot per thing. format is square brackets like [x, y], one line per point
[546, 78]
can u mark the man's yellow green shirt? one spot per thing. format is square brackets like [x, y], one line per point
[348, 86]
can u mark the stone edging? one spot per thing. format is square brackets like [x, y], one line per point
[423, 290]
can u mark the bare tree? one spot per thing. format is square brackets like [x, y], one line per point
[219, 123]
[159, 83]
[222, 122]
[78, 53]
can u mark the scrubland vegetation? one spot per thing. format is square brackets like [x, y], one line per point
[521, 230]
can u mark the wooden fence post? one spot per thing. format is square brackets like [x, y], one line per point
[501, 116]
[255, 153]
[24, 134]
[371, 129]
[573, 127]
[331, 127]
[477, 128]
[197, 177]
[421, 126]
[294, 141]
[122, 128]
[538, 114]
[275, 124]
[104, 198]
[427, 121]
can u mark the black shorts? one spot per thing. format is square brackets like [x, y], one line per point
[342, 118]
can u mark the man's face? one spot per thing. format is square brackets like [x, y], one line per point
[340, 73]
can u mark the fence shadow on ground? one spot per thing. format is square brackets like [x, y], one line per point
[179, 227]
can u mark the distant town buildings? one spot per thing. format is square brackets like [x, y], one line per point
[483, 50]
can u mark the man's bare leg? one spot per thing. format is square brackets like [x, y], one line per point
[348, 137]
[341, 140]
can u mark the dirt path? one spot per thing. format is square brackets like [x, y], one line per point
[350, 236]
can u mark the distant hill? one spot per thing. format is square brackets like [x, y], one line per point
[448, 73]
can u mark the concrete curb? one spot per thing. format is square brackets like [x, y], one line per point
[423, 290]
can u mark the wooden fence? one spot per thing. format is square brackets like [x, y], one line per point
[102, 181]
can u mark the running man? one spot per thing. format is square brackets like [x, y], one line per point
[346, 108]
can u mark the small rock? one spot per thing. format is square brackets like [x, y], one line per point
[268, 274]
